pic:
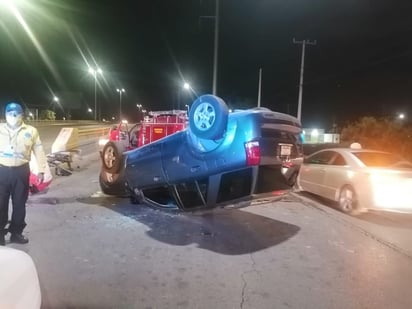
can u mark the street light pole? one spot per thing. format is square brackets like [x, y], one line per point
[55, 99]
[186, 86]
[216, 45]
[216, 48]
[120, 91]
[139, 106]
[94, 73]
[95, 97]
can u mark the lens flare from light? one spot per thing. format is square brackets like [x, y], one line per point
[391, 191]
[11, 5]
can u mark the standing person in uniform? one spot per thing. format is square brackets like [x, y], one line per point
[17, 141]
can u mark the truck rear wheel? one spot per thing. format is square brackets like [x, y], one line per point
[208, 117]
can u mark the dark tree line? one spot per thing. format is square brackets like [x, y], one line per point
[380, 134]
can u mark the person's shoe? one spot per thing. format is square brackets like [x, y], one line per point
[2, 241]
[18, 239]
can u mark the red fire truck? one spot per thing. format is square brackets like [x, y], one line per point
[127, 137]
[153, 127]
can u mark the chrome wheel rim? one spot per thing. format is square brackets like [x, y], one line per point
[204, 116]
[109, 157]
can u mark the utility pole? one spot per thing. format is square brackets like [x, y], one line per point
[260, 86]
[302, 66]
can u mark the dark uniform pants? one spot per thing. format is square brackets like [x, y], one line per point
[14, 183]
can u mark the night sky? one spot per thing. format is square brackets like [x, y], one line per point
[361, 64]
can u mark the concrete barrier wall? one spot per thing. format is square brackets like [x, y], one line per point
[84, 139]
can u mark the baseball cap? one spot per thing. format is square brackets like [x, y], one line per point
[14, 107]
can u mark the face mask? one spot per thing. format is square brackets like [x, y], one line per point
[14, 121]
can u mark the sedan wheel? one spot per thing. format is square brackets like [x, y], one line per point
[347, 200]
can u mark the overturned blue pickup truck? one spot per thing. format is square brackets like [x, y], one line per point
[220, 158]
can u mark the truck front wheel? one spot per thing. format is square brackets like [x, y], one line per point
[112, 157]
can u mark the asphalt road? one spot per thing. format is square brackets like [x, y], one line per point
[95, 251]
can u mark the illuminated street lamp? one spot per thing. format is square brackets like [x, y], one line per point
[189, 88]
[94, 72]
[120, 91]
[401, 116]
[54, 102]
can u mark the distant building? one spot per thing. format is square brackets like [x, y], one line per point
[318, 136]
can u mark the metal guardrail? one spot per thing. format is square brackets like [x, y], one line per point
[88, 138]
[93, 132]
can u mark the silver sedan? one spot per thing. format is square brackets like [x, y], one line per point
[358, 179]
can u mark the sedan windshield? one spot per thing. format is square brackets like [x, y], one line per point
[377, 159]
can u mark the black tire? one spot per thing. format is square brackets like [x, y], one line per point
[291, 181]
[348, 202]
[208, 117]
[113, 184]
[136, 199]
[112, 157]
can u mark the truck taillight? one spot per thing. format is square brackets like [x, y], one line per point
[288, 164]
[252, 153]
